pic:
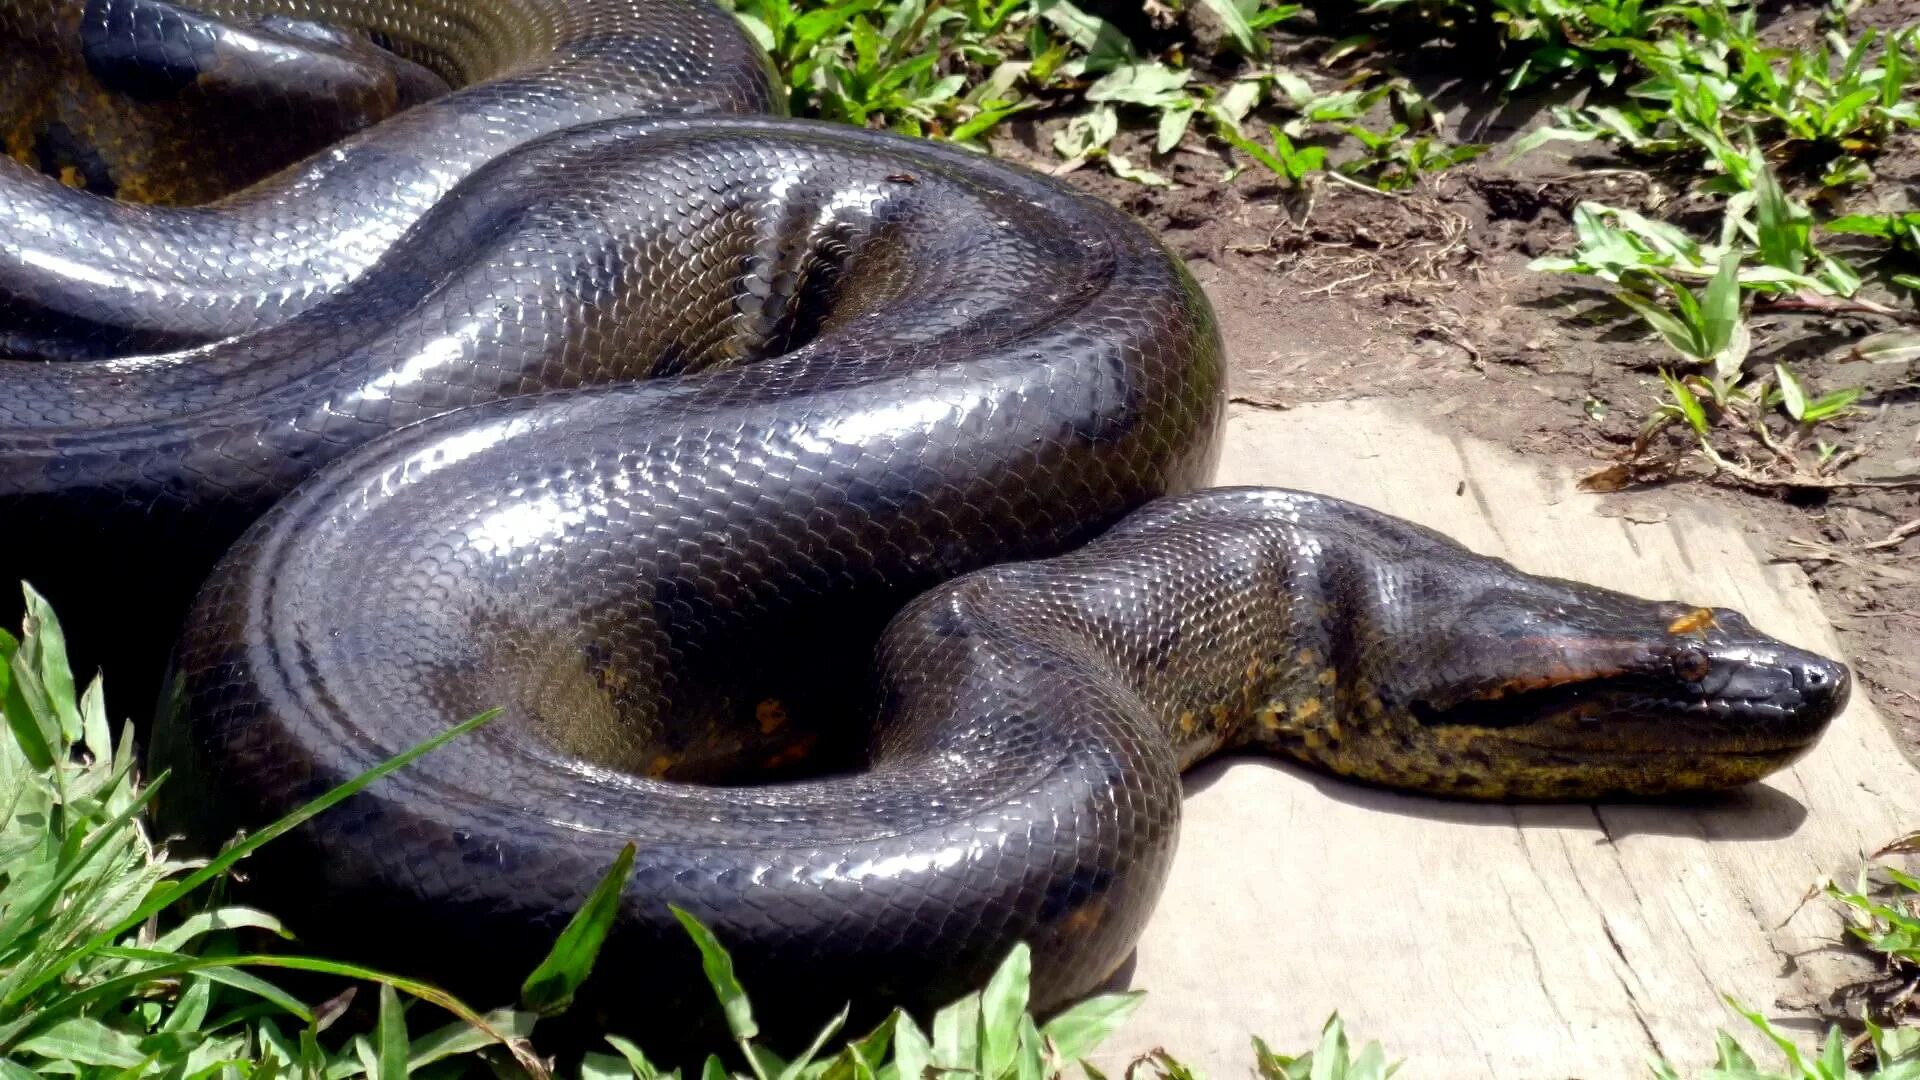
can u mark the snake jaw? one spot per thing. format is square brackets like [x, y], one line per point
[1602, 708]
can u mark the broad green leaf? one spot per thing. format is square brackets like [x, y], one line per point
[636, 1060]
[1827, 406]
[1238, 99]
[96, 732]
[1721, 308]
[207, 922]
[1103, 43]
[390, 1035]
[956, 1034]
[1087, 132]
[1730, 1055]
[34, 726]
[87, 1041]
[1296, 89]
[1833, 1056]
[1123, 168]
[1078, 1030]
[1881, 225]
[1836, 276]
[1894, 1043]
[190, 1010]
[274, 1044]
[1272, 1066]
[253, 984]
[1793, 395]
[1677, 334]
[912, 1053]
[763, 1061]
[1330, 1057]
[1172, 128]
[1889, 347]
[598, 1066]
[1239, 31]
[1669, 240]
[1730, 361]
[719, 969]
[1539, 137]
[985, 120]
[1030, 1054]
[1002, 1004]
[1689, 405]
[1151, 83]
[1782, 223]
[55, 674]
[1371, 1064]
[112, 837]
[551, 986]
[820, 22]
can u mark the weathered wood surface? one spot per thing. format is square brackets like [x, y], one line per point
[1522, 942]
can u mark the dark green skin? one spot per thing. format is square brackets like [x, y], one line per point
[644, 432]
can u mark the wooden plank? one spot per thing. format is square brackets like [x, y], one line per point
[1544, 941]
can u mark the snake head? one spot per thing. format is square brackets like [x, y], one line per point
[1544, 695]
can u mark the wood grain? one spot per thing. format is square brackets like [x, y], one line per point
[1522, 942]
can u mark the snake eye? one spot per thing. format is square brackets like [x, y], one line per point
[1692, 665]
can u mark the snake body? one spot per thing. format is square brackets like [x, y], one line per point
[640, 427]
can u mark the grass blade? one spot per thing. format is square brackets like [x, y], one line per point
[390, 1036]
[1722, 308]
[551, 986]
[55, 673]
[1002, 1004]
[1076, 1032]
[719, 968]
[164, 897]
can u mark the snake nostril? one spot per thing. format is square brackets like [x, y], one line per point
[1821, 681]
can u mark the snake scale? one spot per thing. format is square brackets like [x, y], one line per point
[568, 378]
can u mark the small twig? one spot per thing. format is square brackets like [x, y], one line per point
[1895, 538]
[1332, 285]
[1799, 478]
[1830, 305]
[1259, 403]
[1843, 459]
[1335, 175]
[1767, 440]
[1818, 552]
[1567, 178]
[1447, 335]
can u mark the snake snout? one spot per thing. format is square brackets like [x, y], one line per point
[1616, 694]
[1791, 692]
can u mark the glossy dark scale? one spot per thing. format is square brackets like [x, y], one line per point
[640, 429]
[83, 277]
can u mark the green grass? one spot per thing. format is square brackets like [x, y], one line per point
[1692, 89]
[1697, 297]
[1713, 92]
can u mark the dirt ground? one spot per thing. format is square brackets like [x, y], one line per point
[1425, 298]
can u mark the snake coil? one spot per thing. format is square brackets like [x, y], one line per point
[559, 394]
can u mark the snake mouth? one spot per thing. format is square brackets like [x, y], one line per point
[1743, 702]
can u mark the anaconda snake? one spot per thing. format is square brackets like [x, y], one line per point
[638, 423]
